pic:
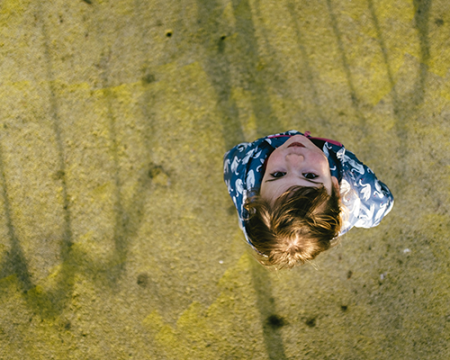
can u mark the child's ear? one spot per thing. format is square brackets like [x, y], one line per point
[335, 182]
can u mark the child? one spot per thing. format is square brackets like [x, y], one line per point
[296, 194]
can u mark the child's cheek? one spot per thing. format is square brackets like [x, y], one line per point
[270, 161]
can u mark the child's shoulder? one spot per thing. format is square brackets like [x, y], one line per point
[366, 199]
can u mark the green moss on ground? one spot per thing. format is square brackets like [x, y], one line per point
[117, 237]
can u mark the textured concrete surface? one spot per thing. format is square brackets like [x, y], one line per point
[117, 236]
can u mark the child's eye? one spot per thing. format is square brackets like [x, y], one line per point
[278, 174]
[310, 176]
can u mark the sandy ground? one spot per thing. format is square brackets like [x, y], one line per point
[117, 236]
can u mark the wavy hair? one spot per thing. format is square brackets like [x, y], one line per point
[301, 224]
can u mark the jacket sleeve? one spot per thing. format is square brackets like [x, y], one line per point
[235, 174]
[367, 199]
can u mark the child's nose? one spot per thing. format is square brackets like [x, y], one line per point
[295, 159]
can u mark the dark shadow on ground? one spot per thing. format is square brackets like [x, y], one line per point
[121, 217]
[271, 322]
[14, 262]
[219, 71]
[306, 66]
[421, 19]
[405, 107]
[345, 64]
[128, 218]
[44, 304]
[248, 65]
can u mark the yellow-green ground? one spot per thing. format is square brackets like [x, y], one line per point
[117, 236]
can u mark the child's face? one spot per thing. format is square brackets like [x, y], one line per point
[297, 162]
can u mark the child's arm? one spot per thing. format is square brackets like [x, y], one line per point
[366, 198]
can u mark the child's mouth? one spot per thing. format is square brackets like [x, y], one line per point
[296, 144]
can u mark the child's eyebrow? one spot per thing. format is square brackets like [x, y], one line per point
[313, 182]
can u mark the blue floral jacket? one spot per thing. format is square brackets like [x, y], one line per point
[366, 200]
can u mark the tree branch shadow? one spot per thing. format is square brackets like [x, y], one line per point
[404, 107]
[128, 219]
[345, 64]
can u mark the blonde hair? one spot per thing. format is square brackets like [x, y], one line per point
[301, 224]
